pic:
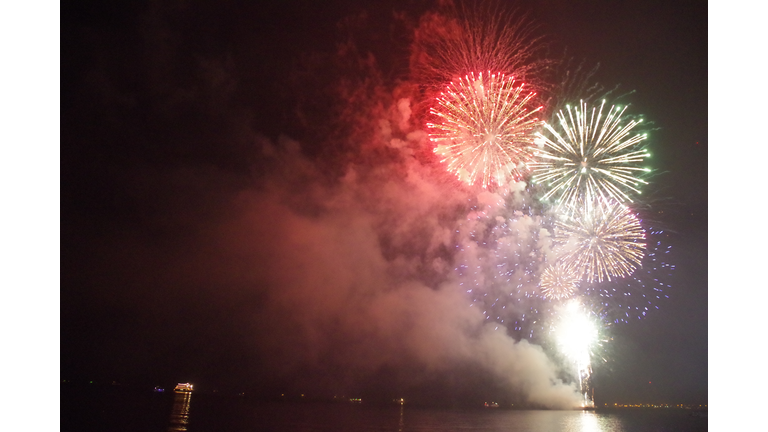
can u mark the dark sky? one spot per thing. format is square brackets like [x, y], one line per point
[229, 216]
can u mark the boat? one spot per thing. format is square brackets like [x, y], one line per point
[183, 388]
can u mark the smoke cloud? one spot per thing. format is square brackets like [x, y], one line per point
[366, 284]
[330, 263]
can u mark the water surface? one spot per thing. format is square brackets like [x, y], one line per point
[120, 410]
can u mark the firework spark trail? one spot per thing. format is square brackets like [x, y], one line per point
[601, 239]
[484, 128]
[462, 38]
[590, 156]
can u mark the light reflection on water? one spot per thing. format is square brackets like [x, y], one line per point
[113, 408]
[213, 414]
[544, 421]
[180, 412]
[589, 421]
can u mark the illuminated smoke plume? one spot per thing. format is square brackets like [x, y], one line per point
[364, 283]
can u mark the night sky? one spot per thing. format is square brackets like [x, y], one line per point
[229, 216]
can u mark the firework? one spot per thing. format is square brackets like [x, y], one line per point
[634, 297]
[465, 37]
[484, 128]
[589, 156]
[499, 255]
[559, 281]
[576, 333]
[601, 240]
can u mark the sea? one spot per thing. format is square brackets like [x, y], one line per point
[107, 410]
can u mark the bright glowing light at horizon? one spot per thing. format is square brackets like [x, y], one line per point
[576, 333]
